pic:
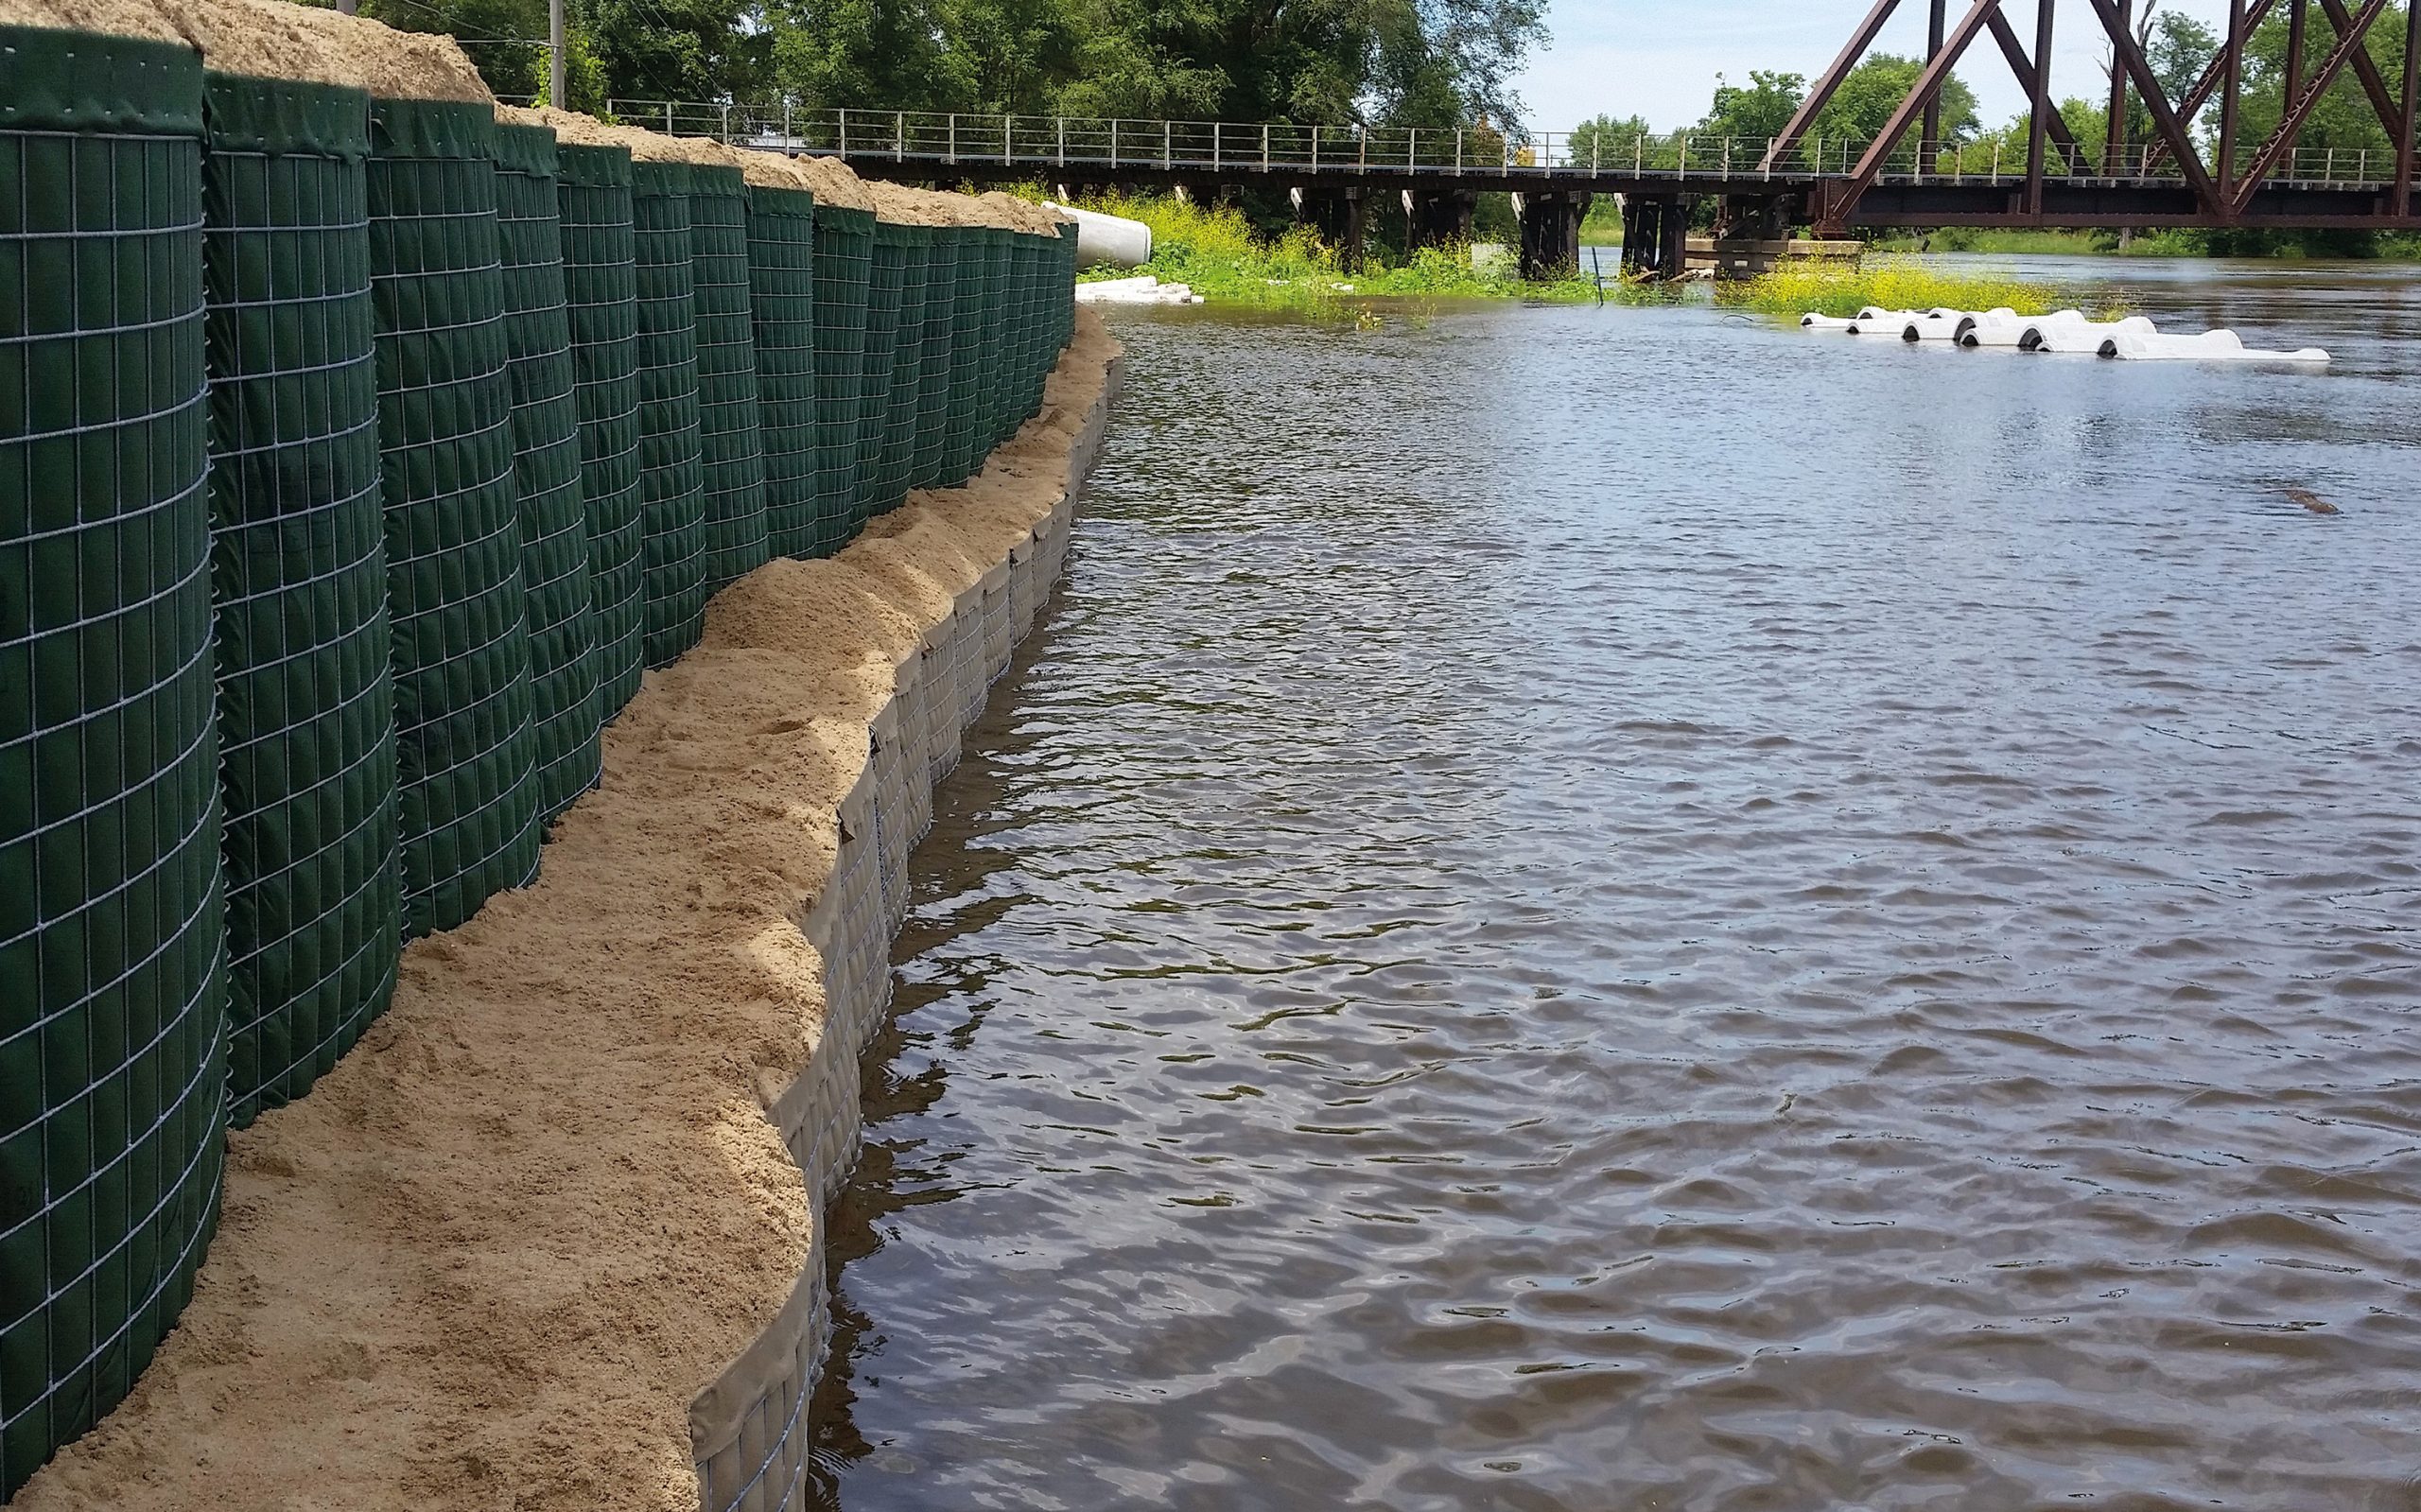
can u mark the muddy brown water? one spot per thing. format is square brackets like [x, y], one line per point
[1594, 910]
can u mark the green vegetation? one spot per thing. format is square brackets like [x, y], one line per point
[1379, 62]
[1221, 255]
[1898, 283]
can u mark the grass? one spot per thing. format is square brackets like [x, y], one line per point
[1216, 252]
[1898, 284]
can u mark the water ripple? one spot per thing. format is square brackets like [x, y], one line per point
[1587, 911]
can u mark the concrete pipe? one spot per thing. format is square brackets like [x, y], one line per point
[1112, 240]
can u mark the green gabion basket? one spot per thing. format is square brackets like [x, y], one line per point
[729, 425]
[307, 708]
[884, 271]
[562, 616]
[966, 440]
[671, 477]
[112, 980]
[781, 283]
[844, 248]
[600, 293]
[900, 405]
[1000, 384]
[930, 468]
[462, 661]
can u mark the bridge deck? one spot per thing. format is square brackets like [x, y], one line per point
[1921, 185]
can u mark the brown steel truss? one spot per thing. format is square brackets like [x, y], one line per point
[2223, 188]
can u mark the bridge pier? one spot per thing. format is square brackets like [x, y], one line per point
[1438, 217]
[1342, 217]
[1551, 231]
[1656, 235]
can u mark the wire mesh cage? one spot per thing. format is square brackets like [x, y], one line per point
[930, 468]
[885, 266]
[899, 406]
[600, 293]
[561, 612]
[462, 658]
[843, 249]
[112, 980]
[734, 542]
[671, 474]
[781, 280]
[967, 306]
[307, 708]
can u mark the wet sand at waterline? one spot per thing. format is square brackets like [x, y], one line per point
[1587, 912]
[495, 1254]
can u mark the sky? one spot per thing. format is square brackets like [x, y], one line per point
[1659, 57]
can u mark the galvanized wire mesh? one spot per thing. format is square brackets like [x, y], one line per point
[461, 660]
[728, 420]
[671, 476]
[900, 410]
[113, 981]
[966, 440]
[931, 467]
[883, 273]
[995, 392]
[600, 293]
[562, 620]
[844, 248]
[781, 278]
[307, 708]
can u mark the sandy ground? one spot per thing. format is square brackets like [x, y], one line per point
[492, 1257]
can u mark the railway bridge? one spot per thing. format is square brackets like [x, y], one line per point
[2189, 171]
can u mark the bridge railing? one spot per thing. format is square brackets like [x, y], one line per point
[1080, 146]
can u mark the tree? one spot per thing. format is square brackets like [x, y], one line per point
[1760, 111]
[1863, 107]
[1607, 140]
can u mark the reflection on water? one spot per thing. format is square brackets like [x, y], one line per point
[1602, 910]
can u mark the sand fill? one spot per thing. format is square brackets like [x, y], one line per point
[494, 1256]
[117, 18]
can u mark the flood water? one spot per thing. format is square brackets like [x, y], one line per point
[1618, 909]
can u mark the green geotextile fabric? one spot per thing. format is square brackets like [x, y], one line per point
[454, 592]
[1032, 324]
[931, 467]
[781, 284]
[907, 367]
[729, 445]
[113, 981]
[600, 293]
[561, 621]
[672, 478]
[844, 248]
[884, 271]
[999, 385]
[966, 442]
[306, 709]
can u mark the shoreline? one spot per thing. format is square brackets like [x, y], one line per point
[550, 1237]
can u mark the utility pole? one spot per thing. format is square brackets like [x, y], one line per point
[555, 55]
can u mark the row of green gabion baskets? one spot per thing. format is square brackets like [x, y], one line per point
[360, 453]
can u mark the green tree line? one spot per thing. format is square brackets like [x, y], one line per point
[1399, 63]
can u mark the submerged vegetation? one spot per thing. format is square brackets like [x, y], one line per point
[1901, 283]
[1217, 250]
